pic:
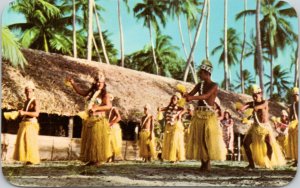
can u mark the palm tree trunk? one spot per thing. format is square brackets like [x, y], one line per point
[225, 47]
[100, 35]
[153, 49]
[271, 74]
[243, 51]
[97, 49]
[74, 31]
[90, 30]
[207, 30]
[296, 79]
[195, 41]
[259, 47]
[297, 73]
[46, 44]
[184, 48]
[193, 61]
[121, 34]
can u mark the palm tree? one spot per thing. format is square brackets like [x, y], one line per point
[248, 81]
[243, 50]
[111, 51]
[280, 82]
[259, 47]
[233, 49]
[276, 31]
[199, 25]
[121, 30]
[225, 48]
[11, 48]
[207, 30]
[100, 33]
[150, 11]
[44, 28]
[177, 8]
[74, 29]
[295, 63]
[168, 61]
[90, 30]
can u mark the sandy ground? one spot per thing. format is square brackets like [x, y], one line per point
[136, 173]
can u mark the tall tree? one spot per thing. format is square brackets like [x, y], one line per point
[90, 30]
[248, 81]
[233, 49]
[280, 82]
[41, 20]
[74, 30]
[100, 33]
[199, 25]
[121, 30]
[150, 11]
[11, 48]
[259, 46]
[243, 50]
[168, 61]
[176, 8]
[225, 47]
[207, 30]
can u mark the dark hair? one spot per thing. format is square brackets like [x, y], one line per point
[228, 114]
[94, 88]
[172, 99]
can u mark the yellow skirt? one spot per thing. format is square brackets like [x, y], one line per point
[146, 146]
[173, 142]
[26, 148]
[186, 137]
[95, 140]
[259, 147]
[116, 139]
[292, 152]
[283, 142]
[206, 138]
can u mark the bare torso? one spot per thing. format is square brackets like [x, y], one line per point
[206, 88]
[146, 122]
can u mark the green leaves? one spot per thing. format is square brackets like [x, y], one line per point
[11, 48]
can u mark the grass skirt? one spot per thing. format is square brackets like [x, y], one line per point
[186, 137]
[259, 147]
[116, 139]
[292, 152]
[283, 142]
[206, 137]
[95, 140]
[26, 148]
[147, 146]
[173, 142]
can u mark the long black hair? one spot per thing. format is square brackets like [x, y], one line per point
[94, 88]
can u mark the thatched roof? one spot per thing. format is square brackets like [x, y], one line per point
[132, 89]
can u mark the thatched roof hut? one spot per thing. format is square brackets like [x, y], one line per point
[132, 89]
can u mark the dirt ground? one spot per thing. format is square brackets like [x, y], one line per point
[136, 173]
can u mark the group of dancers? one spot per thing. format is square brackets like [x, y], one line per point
[101, 136]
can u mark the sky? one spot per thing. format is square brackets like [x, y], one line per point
[137, 36]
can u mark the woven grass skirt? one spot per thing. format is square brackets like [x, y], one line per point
[206, 138]
[173, 142]
[146, 146]
[116, 139]
[259, 147]
[26, 148]
[292, 152]
[95, 140]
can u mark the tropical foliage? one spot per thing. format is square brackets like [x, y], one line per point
[61, 26]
